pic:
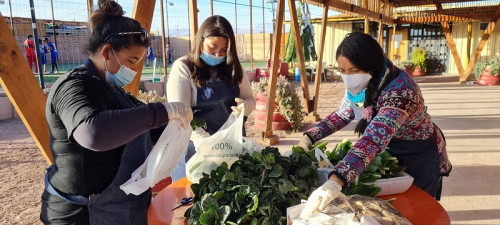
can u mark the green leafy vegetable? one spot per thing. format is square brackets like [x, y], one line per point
[257, 189]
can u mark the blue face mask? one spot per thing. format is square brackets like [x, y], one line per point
[121, 78]
[211, 60]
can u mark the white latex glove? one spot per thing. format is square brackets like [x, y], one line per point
[178, 110]
[236, 109]
[305, 142]
[320, 198]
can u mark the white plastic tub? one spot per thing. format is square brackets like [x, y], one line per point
[390, 186]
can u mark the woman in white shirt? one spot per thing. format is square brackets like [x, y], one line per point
[210, 79]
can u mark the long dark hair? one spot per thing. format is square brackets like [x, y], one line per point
[109, 20]
[216, 26]
[367, 55]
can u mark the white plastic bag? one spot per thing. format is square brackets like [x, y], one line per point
[223, 146]
[167, 152]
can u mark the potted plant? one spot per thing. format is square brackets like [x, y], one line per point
[488, 72]
[404, 65]
[288, 112]
[419, 60]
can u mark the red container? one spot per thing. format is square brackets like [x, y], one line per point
[488, 79]
[279, 121]
[418, 72]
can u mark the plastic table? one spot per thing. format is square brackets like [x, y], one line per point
[415, 204]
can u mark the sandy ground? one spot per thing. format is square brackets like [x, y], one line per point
[22, 168]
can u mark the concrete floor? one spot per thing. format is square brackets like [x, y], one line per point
[469, 116]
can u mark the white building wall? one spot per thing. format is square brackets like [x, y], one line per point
[335, 33]
[459, 32]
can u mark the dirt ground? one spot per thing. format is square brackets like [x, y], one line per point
[22, 167]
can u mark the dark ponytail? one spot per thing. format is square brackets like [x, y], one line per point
[367, 55]
[109, 20]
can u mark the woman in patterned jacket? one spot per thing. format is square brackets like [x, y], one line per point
[390, 110]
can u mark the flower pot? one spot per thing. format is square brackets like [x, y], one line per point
[418, 72]
[409, 70]
[279, 121]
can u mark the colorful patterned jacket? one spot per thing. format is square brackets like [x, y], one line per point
[401, 115]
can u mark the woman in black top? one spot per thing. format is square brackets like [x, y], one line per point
[99, 134]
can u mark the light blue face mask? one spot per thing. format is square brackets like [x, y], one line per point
[121, 78]
[211, 60]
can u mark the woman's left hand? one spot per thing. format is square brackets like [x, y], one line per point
[236, 109]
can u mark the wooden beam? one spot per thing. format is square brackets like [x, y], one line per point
[90, 10]
[441, 18]
[482, 43]
[451, 43]
[300, 55]
[381, 26]
[393, 53]
[401, 3]
[193, 21]
[352, 9]
[251, 37]
[142, 12]
[23, 90]
[469, 40]
[267, 136]
[319, 67]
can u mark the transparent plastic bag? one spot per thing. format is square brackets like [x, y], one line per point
[167, 152]
[351, 209]
[226, 145]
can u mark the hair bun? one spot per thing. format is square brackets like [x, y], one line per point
[110, 8]
[107, 9]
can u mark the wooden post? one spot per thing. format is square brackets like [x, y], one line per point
[479, 49]
[143, 13]
[90, 10]
[367, 21]
[267, 136]
[23, 90]
[319, 67]
[393, 53]
[236, 21]
[251, 37]
[211, 7]
[11, 22]
[381, 25]
[451, 43]
[300, 55]
[263, 31]
[193, 20]
[163, 38]
[469, 39]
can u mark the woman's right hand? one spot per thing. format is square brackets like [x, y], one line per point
[178, 110]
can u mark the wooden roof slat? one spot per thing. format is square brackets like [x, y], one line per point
[401, 3]
[346, 7]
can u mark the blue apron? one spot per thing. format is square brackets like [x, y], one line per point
[421, 159]
[213, 102]
[112, 205]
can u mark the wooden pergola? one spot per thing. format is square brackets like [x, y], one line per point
[29, 101]
[391, 12]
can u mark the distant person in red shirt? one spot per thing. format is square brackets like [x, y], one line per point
[29, 46]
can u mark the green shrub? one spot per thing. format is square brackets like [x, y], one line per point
[494, 64]
[419, 58]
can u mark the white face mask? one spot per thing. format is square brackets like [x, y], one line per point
[355, 83]
[121, 78]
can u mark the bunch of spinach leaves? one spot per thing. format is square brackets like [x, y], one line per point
[384, 165]
[257, 189]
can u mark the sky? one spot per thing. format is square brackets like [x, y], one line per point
[76, 10]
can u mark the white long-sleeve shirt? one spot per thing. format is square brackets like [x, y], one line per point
[181, 88]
